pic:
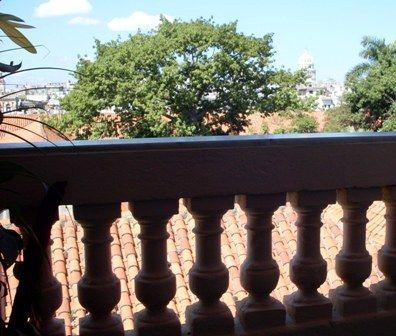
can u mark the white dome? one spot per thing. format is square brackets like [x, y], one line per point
[305, 60]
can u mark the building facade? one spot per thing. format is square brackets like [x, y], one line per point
[328, 93]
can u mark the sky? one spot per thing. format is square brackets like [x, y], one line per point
[331, 30]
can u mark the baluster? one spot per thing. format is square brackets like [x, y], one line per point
[99, 289]
[47, 292]
[155, 284]
[208, 277]
[259, 271]
[353, 262]
[386, 289]
[50, 295]
[308, 269]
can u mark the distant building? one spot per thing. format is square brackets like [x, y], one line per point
[34, 98]
[306, 62]
[2, 85]
[328, 93]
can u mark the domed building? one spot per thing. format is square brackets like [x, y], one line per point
[328, 93]
[306, 62]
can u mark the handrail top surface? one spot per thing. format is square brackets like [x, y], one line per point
[112, 171]
[199, 142]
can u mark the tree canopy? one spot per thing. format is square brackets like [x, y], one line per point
[184, 78]
[372, 86]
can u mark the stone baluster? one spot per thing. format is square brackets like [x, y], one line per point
[37, 269]
[259, 271]
[353, 262]
[155, 284]
[386, 289]
[99, 289]
[308, 269]
[50, 295]
[208, 277]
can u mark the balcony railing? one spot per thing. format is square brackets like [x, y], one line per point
[210, 174]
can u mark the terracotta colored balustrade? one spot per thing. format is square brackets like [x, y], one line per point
[353, 263]
[99, 288]
[386, 289]
[155, 283]
[209, 276]
[260, 272]
[51, 299]
[308, 269]
[207, 173]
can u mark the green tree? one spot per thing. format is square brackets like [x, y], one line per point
[372, 84]
[304, 123]
[184, 78]
[341, 119]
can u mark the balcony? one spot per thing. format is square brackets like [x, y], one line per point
[206, 177]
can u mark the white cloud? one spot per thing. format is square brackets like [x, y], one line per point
[62, 7]
[85, 21]
[137, 20]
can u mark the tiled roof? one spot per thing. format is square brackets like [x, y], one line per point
[26, 129]
[68, 257]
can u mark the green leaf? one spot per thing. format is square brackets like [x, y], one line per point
[8, 24]
[10, 17]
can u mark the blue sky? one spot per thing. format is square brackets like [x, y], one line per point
[330, 29]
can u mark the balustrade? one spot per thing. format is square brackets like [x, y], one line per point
[259, 271]
[46, 293]
[155, 283]
[99, 289]
[208, 277]
[353, 263]
[155, 173]
[308, 269]
[386, 289]
[49, 300]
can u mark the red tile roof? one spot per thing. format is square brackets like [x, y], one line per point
[68, 257]
[26, 129]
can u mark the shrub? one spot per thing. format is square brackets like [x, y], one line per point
[282, 130]
[341, 119]
[304, 123]
[389, 124]
[264, 128]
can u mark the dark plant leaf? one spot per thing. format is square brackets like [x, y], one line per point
[10, 246]
[10, 67]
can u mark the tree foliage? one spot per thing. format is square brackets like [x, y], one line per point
[372, 84]
[184, 78]
[298, 122]
[304, 123]
[341, 119]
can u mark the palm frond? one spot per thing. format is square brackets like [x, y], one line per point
[10, 24]
[373, 47]
[357, 72]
